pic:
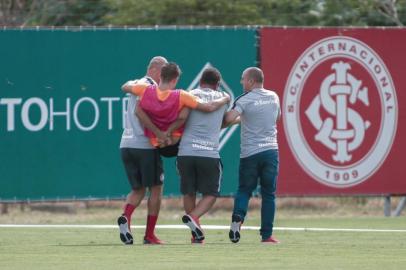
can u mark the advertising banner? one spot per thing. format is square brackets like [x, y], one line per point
[62, 111]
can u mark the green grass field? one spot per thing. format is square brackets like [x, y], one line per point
[57, 248]
[68, 248]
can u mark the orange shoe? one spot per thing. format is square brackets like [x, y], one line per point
[152, 240]
[271, 240]
[197, 241]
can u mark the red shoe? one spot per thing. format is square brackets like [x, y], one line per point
[152, 240]
[271, 240]
[196, 241]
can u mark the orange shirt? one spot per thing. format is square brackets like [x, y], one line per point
[185, 99]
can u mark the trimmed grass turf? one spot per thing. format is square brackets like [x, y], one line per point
[39, 248]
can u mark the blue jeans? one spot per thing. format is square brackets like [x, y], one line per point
[263, 166]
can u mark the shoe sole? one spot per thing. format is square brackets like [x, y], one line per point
[125, 234]
[234, 233]
[234, 236]
[197, 233]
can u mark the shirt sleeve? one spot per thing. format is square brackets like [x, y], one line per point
[278, 103]
[238, 106]
[139, 89]
[187, 100]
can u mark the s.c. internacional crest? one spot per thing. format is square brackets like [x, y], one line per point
[340, 111]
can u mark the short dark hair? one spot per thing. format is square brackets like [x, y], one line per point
[210, 76]
[170, 71]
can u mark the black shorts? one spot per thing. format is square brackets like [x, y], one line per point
[143, 167]
[169, 151]
[200, 174]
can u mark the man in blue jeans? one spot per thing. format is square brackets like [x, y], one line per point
[257, 110]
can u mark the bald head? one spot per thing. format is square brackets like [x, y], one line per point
[252, 78]
[155, 66]
[157, 62]
[255, 74]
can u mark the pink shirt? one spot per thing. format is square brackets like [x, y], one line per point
[161, 112]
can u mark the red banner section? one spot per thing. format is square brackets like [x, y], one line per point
[341, 91]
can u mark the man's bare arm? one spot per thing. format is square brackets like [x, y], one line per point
[213, 105]
[228, 123]
[231, 117]
[128, 86]
[183, 115]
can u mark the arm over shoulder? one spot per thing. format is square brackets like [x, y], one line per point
[137, 89]
[188, 100]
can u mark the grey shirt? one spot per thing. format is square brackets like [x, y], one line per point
[259, 109]
[133, 134]
[202, 130]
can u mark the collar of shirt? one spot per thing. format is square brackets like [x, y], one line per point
[257, 89]
[206, 89]
[148, 78]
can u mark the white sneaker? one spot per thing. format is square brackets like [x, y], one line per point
[235, 229]
[197, 231]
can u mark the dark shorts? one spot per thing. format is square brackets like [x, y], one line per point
[143, 167]
[200, 174]
[169, 151]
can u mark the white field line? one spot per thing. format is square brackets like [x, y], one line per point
[206, 227]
